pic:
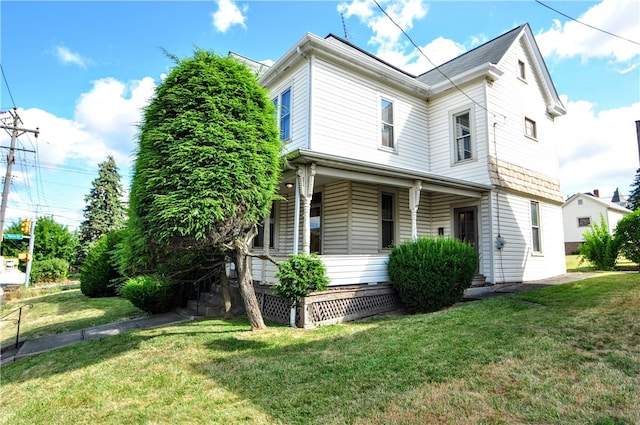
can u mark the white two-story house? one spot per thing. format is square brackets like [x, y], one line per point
[376, 156]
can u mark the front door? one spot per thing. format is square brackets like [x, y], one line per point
[466, 225]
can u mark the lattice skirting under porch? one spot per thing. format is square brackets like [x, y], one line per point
[333, 306]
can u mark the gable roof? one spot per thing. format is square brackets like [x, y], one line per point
[601, 202]
[489, 52]
[486, 57]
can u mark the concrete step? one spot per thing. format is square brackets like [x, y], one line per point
[190, 313]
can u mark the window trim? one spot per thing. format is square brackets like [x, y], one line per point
[394, 218]
[578, 219]
[535, 226]
[277, 102]
[454, 139]
[393, 124]
[522, 70]
[534, 127]
[274, 232]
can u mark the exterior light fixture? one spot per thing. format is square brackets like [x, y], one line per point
[288, 185]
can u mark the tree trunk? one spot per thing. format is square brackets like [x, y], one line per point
[245, 281]
[226, 294]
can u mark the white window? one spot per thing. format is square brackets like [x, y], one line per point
[386, 124]
[522, 70]
[462, 137]
[283, 111]
[536, 242]
[530, 129]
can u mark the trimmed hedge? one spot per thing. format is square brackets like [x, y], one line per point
[150, 293]
[99, 275]
[432, 273]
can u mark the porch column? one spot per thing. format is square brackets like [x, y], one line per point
[306, 176]
[414, 201]
[266, 238]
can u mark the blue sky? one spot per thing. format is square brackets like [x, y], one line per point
[82, 71]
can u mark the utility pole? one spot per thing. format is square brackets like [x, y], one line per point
[15, 132]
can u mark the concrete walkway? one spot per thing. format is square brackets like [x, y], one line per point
[34, 346]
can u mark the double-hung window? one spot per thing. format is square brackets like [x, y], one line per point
[530, 129]
[535, 227]
[388, 223]
[283, 111]
[386, 124]
[462, 136]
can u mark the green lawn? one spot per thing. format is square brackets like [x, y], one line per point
[565, 354]
[59, 311]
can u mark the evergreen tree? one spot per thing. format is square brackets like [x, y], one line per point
[634, 198]
[206, 171]
[104, 211]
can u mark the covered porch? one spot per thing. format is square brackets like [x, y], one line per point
[351, 213]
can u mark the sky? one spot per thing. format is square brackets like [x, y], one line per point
[82, 71]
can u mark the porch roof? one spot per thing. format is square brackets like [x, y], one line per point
[338, 167]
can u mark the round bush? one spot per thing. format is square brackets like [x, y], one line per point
[299, 275]
[432, 273]
[99, 275]
[628, 234]
[47, 271]
[150, 293]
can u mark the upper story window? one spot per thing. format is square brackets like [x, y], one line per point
[536, 242]
[386, 124]
[462, 136]
[530, 129]
[522, 70]
[283, 111]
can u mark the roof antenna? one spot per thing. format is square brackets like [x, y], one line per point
[344, 28]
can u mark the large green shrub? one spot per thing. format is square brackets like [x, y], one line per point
[628, 234]
[432, 273]
[599, 247]
[299, 275]
[47, 271]
[150, 293]
[99, 275]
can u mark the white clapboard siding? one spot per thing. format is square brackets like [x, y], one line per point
[346, 113]
[298, 82]
[441, 134]
[335, 216]
[512, 99]
[341, 269]
[365, 219]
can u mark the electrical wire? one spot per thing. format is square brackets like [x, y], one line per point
[6, 83]
[587, 25]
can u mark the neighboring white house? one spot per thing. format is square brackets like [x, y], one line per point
[583, 209]
[376, 156]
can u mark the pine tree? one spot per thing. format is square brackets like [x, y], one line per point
[634, 198]
[104, 211]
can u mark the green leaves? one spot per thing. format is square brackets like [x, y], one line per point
[300, 275]
[599, 247]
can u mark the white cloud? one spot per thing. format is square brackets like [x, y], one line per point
[574, 39]
[597, 150]
[66, 56]
[228, 15]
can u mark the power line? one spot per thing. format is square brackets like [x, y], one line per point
[4, 77]
[436, 67]
[587, 25]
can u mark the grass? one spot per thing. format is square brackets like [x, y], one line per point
[55, 311]
[574, 264]
[565, 354]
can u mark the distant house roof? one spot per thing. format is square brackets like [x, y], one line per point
[490, 52]
[258, 67]
[606, 204]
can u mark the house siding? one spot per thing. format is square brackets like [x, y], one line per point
[511, 99]
[298, 82]
[346, 113]
[441, 133]
[336, 223]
